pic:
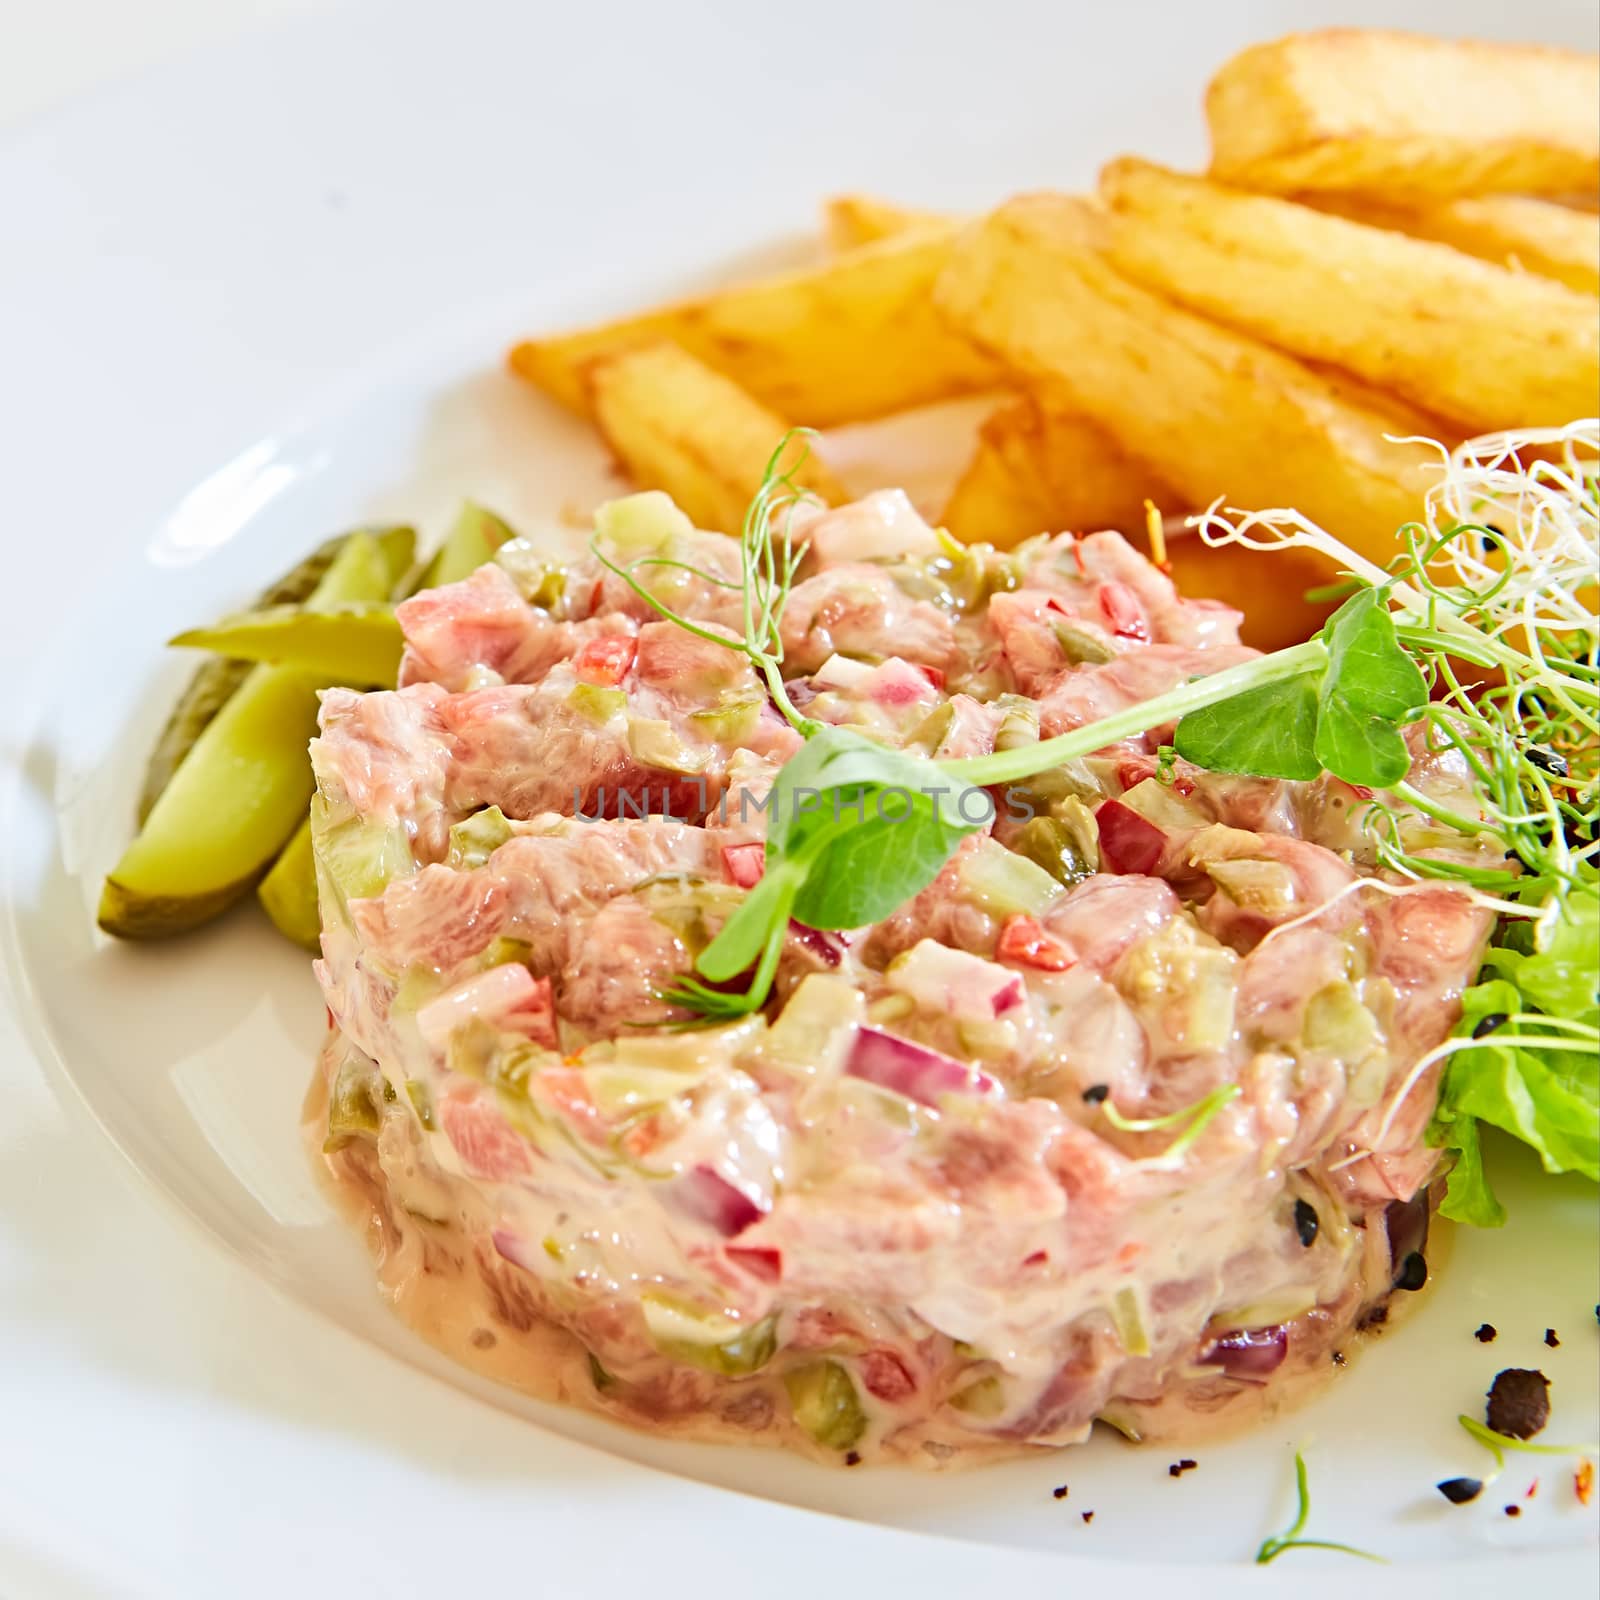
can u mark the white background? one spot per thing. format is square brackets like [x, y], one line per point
[51, 50]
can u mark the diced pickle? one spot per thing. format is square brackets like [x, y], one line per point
[539, 580]
[1010, 883]
[1080, 646]
[355, 1104]
[595, 702]
[1127, 1313]
[641, 524]
[1019, 725]
[825, 1403]
[656, 743]
[238, 796]
[359, 855]
[701, 1339]
[731, 724]
[288, 893]
[421, 1098]
[1049, 843]
[356, 644]
[602, 1380]
[474, 839]
[985, 1397]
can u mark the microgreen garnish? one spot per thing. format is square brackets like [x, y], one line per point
[1498, 1443]
[1342, 716]
[1193, 1118]
[768, 561]
[1274, 1546]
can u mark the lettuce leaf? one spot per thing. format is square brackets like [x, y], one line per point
[1548, 1098]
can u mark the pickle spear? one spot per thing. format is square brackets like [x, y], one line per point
[288, 893]
[350, 644]
[244, 786]
[471, 542]
[215, 681]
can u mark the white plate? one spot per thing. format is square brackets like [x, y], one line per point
[262, 295]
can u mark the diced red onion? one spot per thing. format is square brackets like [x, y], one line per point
[744, 863]
[512, 1247]
[1128, 842]
[885, 1375]
[912, 1069]
[828, 948]
[1007, 997]
[704, 1194]
[1248, 1353]
[898, 683]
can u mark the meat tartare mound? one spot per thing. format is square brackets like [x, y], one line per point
[1103, 1124]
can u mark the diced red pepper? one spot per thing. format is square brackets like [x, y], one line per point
[744, 863]
[605, 661]
[760, 1261]
[1024, 942]
[1119, 605]
[1128, 842]
[933, 675]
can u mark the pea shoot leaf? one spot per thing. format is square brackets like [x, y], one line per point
[1268, 732]
[744, 935]
[1369, 686]
[867, 870]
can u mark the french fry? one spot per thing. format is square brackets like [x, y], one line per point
[1385, 115]
[1268, 586]
[1038, 470]
[1219, 413]
[1512, 230]
[677, 425]
[855, 338]
[1041, 470]
[852, 220]
[1461, 338]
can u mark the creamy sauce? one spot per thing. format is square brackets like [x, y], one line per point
[429, 1274]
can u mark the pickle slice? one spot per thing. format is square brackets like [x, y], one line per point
[471, 543]
[825, 1404]
[215, 682]
[357, 644]
[242, 789]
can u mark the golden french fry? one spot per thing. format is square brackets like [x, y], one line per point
[1512, 230]
[1268, 586]
[1386, 115]
[1458, 337]
[1220, 413]
[852, 220]
[855, 338]
[677, 425]
[1038, 469]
